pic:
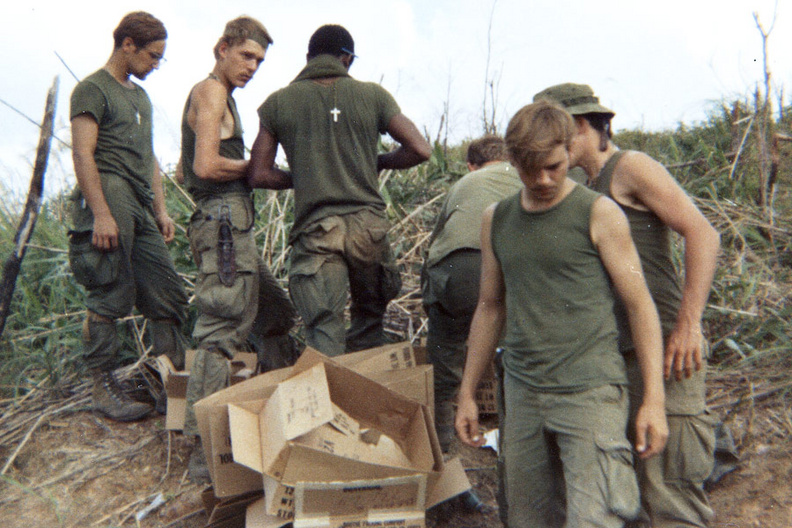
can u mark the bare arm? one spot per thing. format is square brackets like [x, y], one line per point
[649, 183]
[164, 222]
[610, 233]
[208, 104]
[413, 149]
[485, 331]
[262, 172]
[85, 131]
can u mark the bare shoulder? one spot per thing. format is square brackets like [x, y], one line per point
[209, 90]
[640, 167]
[607, 220]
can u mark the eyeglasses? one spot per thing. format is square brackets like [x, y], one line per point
[153, 55]
[349, 52]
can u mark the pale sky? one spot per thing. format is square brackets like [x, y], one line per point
[656, 64]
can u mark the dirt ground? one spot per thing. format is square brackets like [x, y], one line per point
[80, 470]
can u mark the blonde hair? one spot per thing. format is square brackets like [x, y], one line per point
[535, 130]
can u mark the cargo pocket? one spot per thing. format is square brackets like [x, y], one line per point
[91, 267]
[621, 485]
[226, 302]
[692, 440]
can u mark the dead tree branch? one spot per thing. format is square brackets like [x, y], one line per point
[30, 214]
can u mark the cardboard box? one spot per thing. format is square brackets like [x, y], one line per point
[279, 501]
[308, 429]
[393, 502]
[308, 441]
[242, 367]
[230, 478]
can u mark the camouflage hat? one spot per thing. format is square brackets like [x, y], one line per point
[577, 99]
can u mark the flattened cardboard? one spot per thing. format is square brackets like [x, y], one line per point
[396, 501]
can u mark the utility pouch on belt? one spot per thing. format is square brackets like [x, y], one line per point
[226, 261]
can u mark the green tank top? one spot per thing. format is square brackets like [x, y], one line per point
[653, 240]
[232, 148]
[560, 326]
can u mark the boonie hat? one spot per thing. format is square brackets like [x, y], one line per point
[577, 99]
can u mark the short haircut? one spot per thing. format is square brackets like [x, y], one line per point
[143, 28]
[331, 39]
[485, 149]
[239, 30]
[535, 130]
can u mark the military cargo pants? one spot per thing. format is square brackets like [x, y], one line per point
[333, 256]
[227, 313]
[139, 273]
[450, 296]
[672, 483]
[568, 461]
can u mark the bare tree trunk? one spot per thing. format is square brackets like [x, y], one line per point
[28, 222]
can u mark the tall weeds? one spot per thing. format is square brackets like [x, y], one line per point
[716, 161]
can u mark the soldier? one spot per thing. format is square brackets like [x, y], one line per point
[117, 245]
[550, 256]
[329, 125]
[235, 291]
[672, 485]
[449, 281]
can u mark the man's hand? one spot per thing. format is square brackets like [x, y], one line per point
[683, 353]
[651, 430]
[166, 227]
[105, 233]
[467, 424]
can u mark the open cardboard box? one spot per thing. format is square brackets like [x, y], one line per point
[310, 450]
[230, 478]
[175, 382]
[313, 427]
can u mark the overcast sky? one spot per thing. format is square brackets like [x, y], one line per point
[656, 64]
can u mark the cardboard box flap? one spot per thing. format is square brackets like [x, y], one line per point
[309, 464]
[448, 483]
[298, 406]
[243, 421]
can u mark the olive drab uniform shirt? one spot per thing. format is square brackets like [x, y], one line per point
[124, 145]
[459, 222]
[334, 171]
[560, 327]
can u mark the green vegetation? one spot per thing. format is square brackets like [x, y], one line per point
[724, 163]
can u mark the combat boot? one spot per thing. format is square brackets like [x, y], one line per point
[110, 399]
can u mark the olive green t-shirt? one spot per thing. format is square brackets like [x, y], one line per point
[653, 241]
[124, 144]
[232, 148]
[330, 134]
[459, 222]
[560, 327]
